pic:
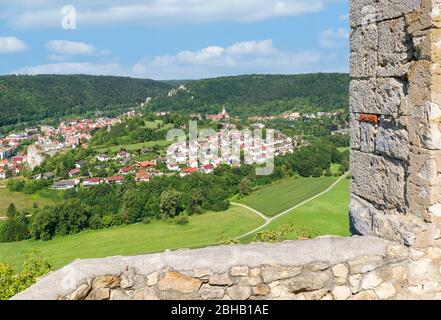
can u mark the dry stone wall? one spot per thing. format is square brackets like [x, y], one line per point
[357, 268]
[395, 97]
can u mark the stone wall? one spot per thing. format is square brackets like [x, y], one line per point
[395, 97]
[357, 268]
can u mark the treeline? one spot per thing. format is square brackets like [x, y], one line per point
[260, 94]
[34, 98]
[169, 198]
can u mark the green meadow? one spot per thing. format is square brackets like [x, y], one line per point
[21, 200]
[326, 215]
[136, 239]
[286, 194]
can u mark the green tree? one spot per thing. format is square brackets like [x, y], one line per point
[171, 203]
[11, 211]
[245, 187]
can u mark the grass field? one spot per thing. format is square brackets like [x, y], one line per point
[326, 215]
[137, 239]
[285, 194]
[153, 124]
[133, 147]
[21, 201]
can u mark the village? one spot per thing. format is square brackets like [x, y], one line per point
[30, 148]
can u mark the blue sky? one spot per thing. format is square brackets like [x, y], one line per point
[173, 39]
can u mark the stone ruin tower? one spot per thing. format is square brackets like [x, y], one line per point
[395, 106]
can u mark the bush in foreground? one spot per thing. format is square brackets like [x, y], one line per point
[13, 282]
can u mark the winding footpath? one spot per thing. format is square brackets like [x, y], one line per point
[268, 220]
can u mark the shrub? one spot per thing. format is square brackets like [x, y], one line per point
[146, 220]
[107, 221]
[95, 222]
[12, 282]
[282, 233]
[16, 185]
[182, 220]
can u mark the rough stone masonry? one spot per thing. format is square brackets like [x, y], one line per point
[395, 99]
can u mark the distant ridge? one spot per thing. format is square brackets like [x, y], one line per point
[32, 98]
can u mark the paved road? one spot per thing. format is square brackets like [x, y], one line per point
[268, 220]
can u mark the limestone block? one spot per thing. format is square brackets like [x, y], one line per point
[400, 228]
[341, 293]
[340, 271]
[397, 8]
[212, 293]
[368, 132]
[420, 80]
[274, 273]
[261, 290]
[354, 127]
[364, 47]
[393, 142]
[80, 293]
[365, 295]
[365, 264]
[106, 282]
[309, 281]
[380, 181]
[361, 216]
[370, 281]
[239, 292]
[376, 96]
[99, 294]
[394, 48]
[363, 12]
[220, 280]
[431, 136]
[177, 282]
[202, 273]
[386, 291]
[152, 279]
[239, 271]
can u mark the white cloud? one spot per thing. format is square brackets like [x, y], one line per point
[12, 45]
[48, 13]
[64, 47]
[330, 38]
[240, 58]
[248, 57]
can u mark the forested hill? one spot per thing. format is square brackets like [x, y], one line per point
[261, 94]
[28, 98]
[32, 98]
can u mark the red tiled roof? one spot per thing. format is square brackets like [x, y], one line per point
[146, 164]
[115, 178]
[143, 176]
[189, 170]
[75, 171]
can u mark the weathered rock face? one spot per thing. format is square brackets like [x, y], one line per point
[395, 119]
[35, 156]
